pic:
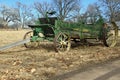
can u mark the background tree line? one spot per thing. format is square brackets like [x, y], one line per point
[70, 10]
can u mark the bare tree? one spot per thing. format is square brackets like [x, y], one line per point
[1, 21]
[91, 15]
[8, 15]
[93, 12]
[117, 16]
[112, 7]
[25, 13]
[43, 7]
[82, 18]
[65, 8]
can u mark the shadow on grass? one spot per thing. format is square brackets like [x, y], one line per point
[49, 47]
[109, 74]
[89, 66]
[78, 44]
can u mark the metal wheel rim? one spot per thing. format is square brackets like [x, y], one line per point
[30, 44]
[62, 43]
[111, 38]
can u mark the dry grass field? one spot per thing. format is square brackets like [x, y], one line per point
[42, 63]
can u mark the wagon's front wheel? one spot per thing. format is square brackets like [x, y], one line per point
[62, 43]
[110, 36]
[30, 44]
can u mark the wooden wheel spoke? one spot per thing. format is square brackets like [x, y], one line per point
[65, 38]
[65, 46]
[59, 40]
[59, 45]
[60, 37]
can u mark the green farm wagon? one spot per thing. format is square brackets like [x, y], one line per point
[61, 33]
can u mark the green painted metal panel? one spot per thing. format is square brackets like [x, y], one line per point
[84, 30]
[52, 26]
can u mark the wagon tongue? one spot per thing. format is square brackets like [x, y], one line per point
[15, 44]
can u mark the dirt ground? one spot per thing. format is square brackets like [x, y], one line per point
[42, 63]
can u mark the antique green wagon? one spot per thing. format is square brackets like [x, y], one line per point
[61, 33]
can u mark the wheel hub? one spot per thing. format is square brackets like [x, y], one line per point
[63, 43]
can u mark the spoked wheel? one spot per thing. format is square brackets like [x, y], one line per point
[30, 44]
[62, 43]
[110, 34]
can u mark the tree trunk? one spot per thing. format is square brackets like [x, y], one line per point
[5, 25]
[112, 19]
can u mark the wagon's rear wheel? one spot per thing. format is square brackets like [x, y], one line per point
[30, 44]
[110, 36]
[62, 43]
